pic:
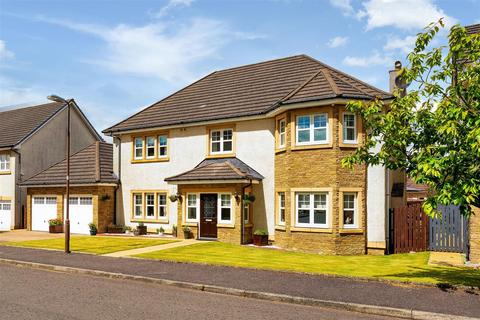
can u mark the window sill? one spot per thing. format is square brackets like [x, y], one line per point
[5, 172]
[150, 160]
[165, 221]
[225, 225]
[220, 155]
[280, 228]
[352, 230]
[190, 224]
[313, 230]
[349, 144]
[280, 150]
[312, 146]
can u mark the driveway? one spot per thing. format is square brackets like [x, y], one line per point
[24, 235]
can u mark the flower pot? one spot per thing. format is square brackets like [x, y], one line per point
[142, 230]
[55, 229]
[187, 234]
[93, 232]
[260, 240]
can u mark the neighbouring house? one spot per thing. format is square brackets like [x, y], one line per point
[92, 191]
[31, 140]
[416, 192]
[257, 147]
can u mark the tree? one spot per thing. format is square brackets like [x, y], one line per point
[432, 132]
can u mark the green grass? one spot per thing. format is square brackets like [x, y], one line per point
[97, 245]
[401, 267]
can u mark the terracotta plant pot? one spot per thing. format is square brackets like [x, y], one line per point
[55, 229]
[260, 240]
[142, 230]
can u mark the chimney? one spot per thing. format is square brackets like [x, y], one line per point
[396, 84]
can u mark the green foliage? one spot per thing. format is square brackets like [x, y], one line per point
[261, 232]
[55, 222]
[433, 132]
[92, 226]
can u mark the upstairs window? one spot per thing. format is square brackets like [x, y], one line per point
[150, 148]
[162, 146]
[138, 148]
[221, 141]
[349, 128]
[281, 133]
[4, 162]
[312, 129]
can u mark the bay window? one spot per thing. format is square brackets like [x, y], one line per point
[349, 128]
[281, 133]
[281, 208]
[312, 129]
[350, 210]
[312, 210]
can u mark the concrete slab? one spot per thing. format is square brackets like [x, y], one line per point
[24, 235]
[166, 246]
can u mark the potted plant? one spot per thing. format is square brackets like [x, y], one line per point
[142, 229]
[174, 230]
[135, 232]
[127, 229]
[187, 232]
[113, 228]
[55, 226]
[260, 237]
[93, 228]
[160, 231]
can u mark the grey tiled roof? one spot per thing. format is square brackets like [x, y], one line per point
[219, 169]
[17, 124]
[251, 90]
[474, 28]
[91, 165]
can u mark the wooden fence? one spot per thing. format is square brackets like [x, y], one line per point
[449, 232]
[409, 229]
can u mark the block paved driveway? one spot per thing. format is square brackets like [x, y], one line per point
[430, 299]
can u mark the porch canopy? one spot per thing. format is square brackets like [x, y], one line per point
[219, 170]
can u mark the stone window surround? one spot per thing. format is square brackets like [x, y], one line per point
[359, 130]
[358, 227]
[209, 154]
[156, 145]
[293, 192]
[144, 218]
[311, 111]
[311, 129]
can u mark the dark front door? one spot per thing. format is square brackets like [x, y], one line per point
[208, 216]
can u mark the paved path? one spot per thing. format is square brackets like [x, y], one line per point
[159, 247]
[312, 286]
[86, 297]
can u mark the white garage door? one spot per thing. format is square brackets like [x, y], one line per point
[43, 209]
[5, 215]
[81, 214]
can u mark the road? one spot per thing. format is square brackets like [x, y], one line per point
[36, 294]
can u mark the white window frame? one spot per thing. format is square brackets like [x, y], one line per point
[280, 208]
[147, 205]
[135, 205]
[221, 141]
[354, 225]
[153, 146]
[4, 162]
[160, 146]
[312, 129]
[282, 136]
[196, 206]
[312, 209]
[164, 206]
[345, 127]
[220, 207]
[135, 148]
[246, 209]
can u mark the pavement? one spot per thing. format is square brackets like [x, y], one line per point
[450, 259]
[429, 299]
[24, 235]
[87, 297]
[127, 253]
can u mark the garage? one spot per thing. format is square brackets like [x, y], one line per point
[5, 215]
[81, 214]
[44, 208]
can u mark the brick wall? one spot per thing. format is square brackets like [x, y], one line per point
[316, 169]
[475, 236]
[102, 198]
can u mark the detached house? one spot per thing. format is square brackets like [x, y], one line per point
[31, 140]
[256, 147]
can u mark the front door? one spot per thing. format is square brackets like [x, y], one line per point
[208, 216]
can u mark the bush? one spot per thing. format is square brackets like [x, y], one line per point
[55, 222]
[261, 232]
[92, 226]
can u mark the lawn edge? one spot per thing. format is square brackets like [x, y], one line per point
[259, 295]
[328, 275]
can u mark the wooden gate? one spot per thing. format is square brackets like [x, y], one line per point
[408, 229]
[449, 232]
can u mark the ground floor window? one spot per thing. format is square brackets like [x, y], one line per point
[192, 207]
[225, 208]
[151, 205]
[246, 212]
[138, 205]
[162, 205]
[350, 219]
[281, 208]
[311, 210]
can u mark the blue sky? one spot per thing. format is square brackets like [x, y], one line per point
[116, 57]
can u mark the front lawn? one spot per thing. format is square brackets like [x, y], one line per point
[403, 267]
[97, 245]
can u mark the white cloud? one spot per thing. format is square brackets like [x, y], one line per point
[172, 4]
[405, 45]
[402, 14]
[161, 49]
[4, 53]
[337, 42]
[372, 60]
[13, 93]
[344, 5]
